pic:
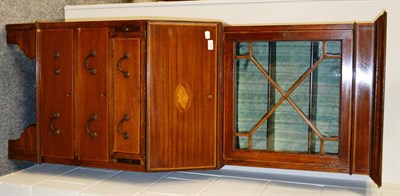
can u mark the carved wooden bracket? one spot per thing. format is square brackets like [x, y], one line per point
[24, 148]
[24, 36]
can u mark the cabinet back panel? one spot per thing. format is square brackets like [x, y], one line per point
[91, 94]
[55, 120]
[182, 95]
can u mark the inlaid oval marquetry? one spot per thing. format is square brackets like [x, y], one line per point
[183, 97]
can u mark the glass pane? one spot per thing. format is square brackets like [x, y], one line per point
[242, 142]
[331, 147]
[293, 58]
[291, 131]
[316, 51]
[251, 95]
[260, 137]
[333, 47]
[242, 48]
[261, 54]
[314, 143]
[302, 95]
[326, 97]
[317, 96]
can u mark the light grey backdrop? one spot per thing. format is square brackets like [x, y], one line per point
[17, 72]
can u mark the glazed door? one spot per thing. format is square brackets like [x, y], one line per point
[126, 73]
[91, 100]
[55, 93]
[182, 95]
[287, 97]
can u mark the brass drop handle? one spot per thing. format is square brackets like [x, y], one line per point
[92, 70]
[124, 133]
[57, 71]
[92, 118]
[53, 118]
[57, 55]
[126, 56]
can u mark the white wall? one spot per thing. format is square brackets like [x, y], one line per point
[283, 12]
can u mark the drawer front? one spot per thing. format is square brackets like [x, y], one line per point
[55, 93]
[126, 74]
[91, 100]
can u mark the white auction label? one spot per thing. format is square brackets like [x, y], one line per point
[210, 45]
[207, 35]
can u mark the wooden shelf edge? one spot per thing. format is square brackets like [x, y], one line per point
[24, 148]
[23, 35]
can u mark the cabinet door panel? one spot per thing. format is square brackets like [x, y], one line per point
[377, 136]
[182, 96]
[287, 100]
[55, 116]
[126, 69]
[91, 94]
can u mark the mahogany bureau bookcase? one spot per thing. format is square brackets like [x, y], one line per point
[148, 95]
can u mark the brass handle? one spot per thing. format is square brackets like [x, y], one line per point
[56, 54]
[53, 118]
[124, 133]
[125, 57]
[92, 70]
[92, 133]
[57, 71]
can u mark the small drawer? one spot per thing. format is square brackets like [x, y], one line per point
[127, 29]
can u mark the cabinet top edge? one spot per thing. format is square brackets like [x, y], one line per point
[20, 27]
[88, 24]
[295, 27]
[197, 23]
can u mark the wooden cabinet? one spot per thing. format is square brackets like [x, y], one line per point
[95, 95]
[155, 95]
